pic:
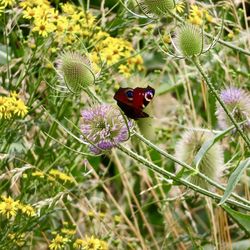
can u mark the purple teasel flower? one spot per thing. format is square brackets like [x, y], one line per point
[104, 127]
[238, 102]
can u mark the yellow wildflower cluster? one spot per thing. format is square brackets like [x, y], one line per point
[180, 6]
[12, 105]
[59, 242]
[38, 173]
[68, 229]
[72, 23]
[199, 15]
[6, 3]
[90, 243]
[112, 50]
[62, 176]
[66, 26]
[92, 214]
[9, 208]
[18, 239]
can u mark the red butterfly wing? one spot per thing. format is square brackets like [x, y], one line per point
[133, 101]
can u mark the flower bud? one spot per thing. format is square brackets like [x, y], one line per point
[189, 40]
[212, 162]
[75, 71]
[157, 7]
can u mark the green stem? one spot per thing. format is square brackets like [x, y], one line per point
[183, 164]
[93, 95]
[165, 174]
[214, 92]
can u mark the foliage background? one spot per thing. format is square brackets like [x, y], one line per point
[62, 197]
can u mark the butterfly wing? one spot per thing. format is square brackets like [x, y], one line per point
[133, 101]
[142, 97]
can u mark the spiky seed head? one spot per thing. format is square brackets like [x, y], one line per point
[75, 71]
[212, 162]
[238, 103]
[189, 40]
[157, 7]
[104, 126]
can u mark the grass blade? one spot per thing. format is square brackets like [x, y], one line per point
[234, 179]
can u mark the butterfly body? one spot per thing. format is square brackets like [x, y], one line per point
[133, 101]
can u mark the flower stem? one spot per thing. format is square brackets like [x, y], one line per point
[165, 174]
[183, 164]
[216, 95]
[93, 95]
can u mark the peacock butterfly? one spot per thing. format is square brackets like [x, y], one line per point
[133, 101]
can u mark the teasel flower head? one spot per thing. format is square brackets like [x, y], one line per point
[238, 103]
[188, 41]
[75, 71]
[156, 7]
[104, 127]
[212, 162]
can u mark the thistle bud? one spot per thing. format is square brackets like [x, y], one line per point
[157, 7]
[75, 71]
[212, 162]
[189, 40]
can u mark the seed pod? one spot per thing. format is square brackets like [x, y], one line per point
[189, 40]
[75, 71]
[157, 7]
[213, 161]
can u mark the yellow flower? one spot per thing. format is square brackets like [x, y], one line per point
[90, 243]
[196, 20]
[231, 34]
[78, 243]
[68, 231]
[58, 242]
[1, 9]
[61, 175]
[14, 95]
[180, 7]
[65, 177]
[27, 209]
[9, 207]
[9, 106]
[7, 2]
[43, 27]
[38, 174]
[31, 3]
[196, 11]
[117, 218]
[29, 13]
[68, 8]
[18, 239]
[209, 18]
[123, 69]
[198, 14]
[20, 109]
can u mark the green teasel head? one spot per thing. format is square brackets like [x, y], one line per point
[75, 71]
[189, 40]
[212, 163]
[157, 7]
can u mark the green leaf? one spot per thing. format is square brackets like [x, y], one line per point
[234, 179]
[243, 220]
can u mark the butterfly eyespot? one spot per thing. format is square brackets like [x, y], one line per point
[149, 96]
[130, 95]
